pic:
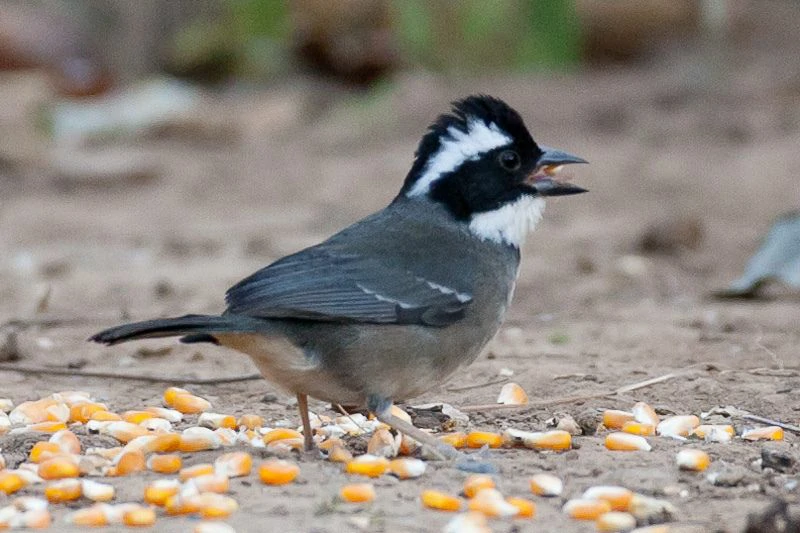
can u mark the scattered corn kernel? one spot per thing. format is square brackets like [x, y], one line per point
[105, 416]
[434, 499]
[407, 467]
[278, 472]
[583, 509]
[475, 483]
[250, 421]
[186, 402]
[34, 519]
[136, 417]
[469, 522]
[383, 444]
[139, 516]
[512, 394]
[695, 460]
[67, 441]
[677, 426]
[164, 464]
[648, 510]
[216, 506]
[124, 431]
[490, 502]
[201, 469]
[44, 450]
[525, 508]
[368, 465]
[234, 464]
[96, 491]
[616, 419]
[546, 485]
[637, 428]
[196, 439]
[619, 498]
[164, 442]
[94, 516]
[63, 490]
[81, 412]
[5, 423]
[129, 463]
[615, 521]
[216, 421]
[557, 440]
[218, 483]
[358, 493]
[340, 454]
[58, 467]
[170, 415]
[10, 482]
[626, 442]
[159, 491]
[479, 439]
[765, 433]
[645, 414]
[714, 432]
[456, 440]
[47, 427]
[281, 434]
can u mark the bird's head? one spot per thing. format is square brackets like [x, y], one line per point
[481, 162]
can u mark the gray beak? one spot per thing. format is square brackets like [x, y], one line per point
[545, 184]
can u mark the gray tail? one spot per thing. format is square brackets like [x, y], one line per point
[197, 328]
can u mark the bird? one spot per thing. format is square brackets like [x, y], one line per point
[391, 306]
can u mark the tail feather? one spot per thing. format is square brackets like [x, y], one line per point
[195, 326]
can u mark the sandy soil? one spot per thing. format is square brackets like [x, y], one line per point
[260, 174]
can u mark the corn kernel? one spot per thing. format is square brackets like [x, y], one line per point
[215, 506]
[44, 450]
[47, 427]
[124, 431]
[129, 463]
[582, 509]
[216, 421]
[695, 460]
[456, 440]
[615, 419]
[557, 440]
[94, 516]
[196, 439]
[58, 467]
[64, 490]
[278, 472]
[188, 403]
[81, 412]
[475, 483]
[164, 464]
[677, 426]
[217, 483]
[227, 436]
[478, 439]
[765, 433]
[67, 441]
[525, 508]
[615, 521]
[470, 521]
[645, 414]
[164, 442]
[196, 470]
[140, 516]
[10, 482]
[159, 491]
[358, 493]
[637, 428]
[105, 416]
[368, 465]
[714, 432]
[434, 499]
[281, 434]
[407, 468]
[98, 492]
[626, 442]
[5, 423]
[35, 519]
[619, 498]
[490, 502]
[136, 417]
[546, 485]
[512, 394]
[234, 464]
[170, 415]
[340, 454]
[250, 421]
[383, 444]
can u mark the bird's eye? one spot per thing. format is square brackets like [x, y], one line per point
[509, 160]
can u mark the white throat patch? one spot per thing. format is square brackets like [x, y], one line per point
[458, 147]
[509, 224]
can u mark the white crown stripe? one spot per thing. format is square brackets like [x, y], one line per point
[457, 148]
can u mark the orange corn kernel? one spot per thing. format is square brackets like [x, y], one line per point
[165, 464]
[196, 439]
[124, 431]
[139, 516]
[161, 490]
[63, 490]
[626, 442]
[714, 432]
[67, 440]
[582, 509]
[358, 493]
[44, 450]
[619, 498]
[187, 403]
[177, 504]
[383, 443]
[250, 421]
[637, 428]
[407, 467]
[694, 460]
[93, 516]
[278, 472]
[234, 464]
[677, 426]
[615, 521]
[196, 470]
[59, 467]
[171, 415]
[283, 446]
[10, 482]
[105, 416]
[456, 440]
[97, 492]
[557, 440]
[217, 483]
[163, 442]
[475, 483]
[281, 434]
[81, 412]
[491, 503]
[368, 465]
[765, 433]
[512, 394]
[645, 414]
[434, 499]
[216, 421]
[340, 454]
[137, 417]
[525, 508]
[478, 439]
[129, 463]
[171, 393]
[47, 427]
[615, 419]
[546, 485]
[213, 506]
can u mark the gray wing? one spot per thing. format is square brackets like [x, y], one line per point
[330, 284]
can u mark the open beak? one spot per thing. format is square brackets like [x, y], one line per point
[550, 164]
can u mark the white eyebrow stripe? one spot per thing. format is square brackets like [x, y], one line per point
[457, 148]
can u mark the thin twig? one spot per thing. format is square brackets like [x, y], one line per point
[477, 386]
[769, 421]
[50, 371]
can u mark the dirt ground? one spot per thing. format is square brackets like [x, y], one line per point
[702, 138]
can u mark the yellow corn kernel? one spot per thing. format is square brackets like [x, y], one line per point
[626, 442]
[171, 393]
[358, 493]
[139, 516]
[582, 509]
[512, 394]
[525, 508]
[645, 414]
[765, 433]
[164, 442]
[189, 404]
[557, 440]
[283, 446]
[170, 415]
[47, 427]
[161, 490]
[491, 503]
[97, 492]
[368, 465]
[456, 440]
[93, 516]
[328, 444]
[124, 431]
[10, 482]
[281, 434]
[637, 428]
[227, 436]
[250, 421]
[165, 464]
[196, 439]
[383, 443]
[213, 506]
[278, 472]
[67, 441]
[677, 426]
[615, 521]
[137, 417]
[217, 483]
[546, 485]
[177, 504]
[407, 467]
[478, 439]
[216, 421]
[35, 519]
[340, 454]
[715, 432]
[615, 419]
[475, 483]
[434, 499]
[64, 490]
[129, 462]
[105, 416]
[234, 464]
[196, 470]
[81, 412]
[44, 450]
[59, 467]
[695, 460]
[619, 498]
